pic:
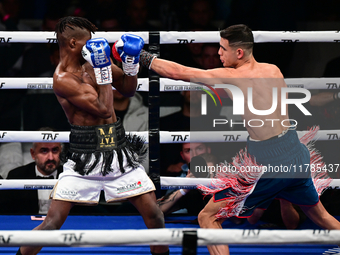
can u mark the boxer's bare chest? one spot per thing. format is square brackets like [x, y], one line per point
[87, 76]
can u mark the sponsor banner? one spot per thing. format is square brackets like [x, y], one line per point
[168, 85]
[31, 184]
[306, 83]
[46, 136]
[26, 83]
[174, 37]
[34, 136]
[47, 83]
[165, 136]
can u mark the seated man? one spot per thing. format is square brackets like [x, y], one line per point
[46, 165]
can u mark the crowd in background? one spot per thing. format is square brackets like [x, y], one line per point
[32, 109]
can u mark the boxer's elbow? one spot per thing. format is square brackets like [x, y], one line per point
[106, 113]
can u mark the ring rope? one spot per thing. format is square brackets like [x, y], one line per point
[165, 237]
[47, 83]
[167, 85]
[176, 37]
[165, 136]
[49, 37]
[166, 183]
[191, 183]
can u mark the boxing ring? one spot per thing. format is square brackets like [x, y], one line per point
[80, 236]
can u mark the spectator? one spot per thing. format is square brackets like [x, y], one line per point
[11, 156]
[131, 111]
[46, 165]
[15, 154]
[191, 200]
[188, 150]
[209, 56]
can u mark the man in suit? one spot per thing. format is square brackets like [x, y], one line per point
[46, 165]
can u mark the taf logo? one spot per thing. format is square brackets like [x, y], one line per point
[204, 99]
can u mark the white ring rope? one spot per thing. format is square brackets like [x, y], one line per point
[230, 136]
[27, 184]
[174, 37]
[257, 236]
[165, 237]
[91, 237]
[166, 183]
[191, 183]
[49, 37]
[47, 83]
[307, 83]
[45, 136]
[259, 36]
[165, 136]
[168, 84]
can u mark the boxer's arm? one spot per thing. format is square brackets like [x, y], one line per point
[97, 53]
[175, 71]
[127, 50]
[126, 85]
[84, 96]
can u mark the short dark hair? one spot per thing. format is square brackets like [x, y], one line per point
[71, 22]
[238, 35]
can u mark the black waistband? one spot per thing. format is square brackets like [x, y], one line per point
[279, 135]
[97, 138]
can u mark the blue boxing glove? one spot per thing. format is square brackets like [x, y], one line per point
[127, 50]
[97, 53]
